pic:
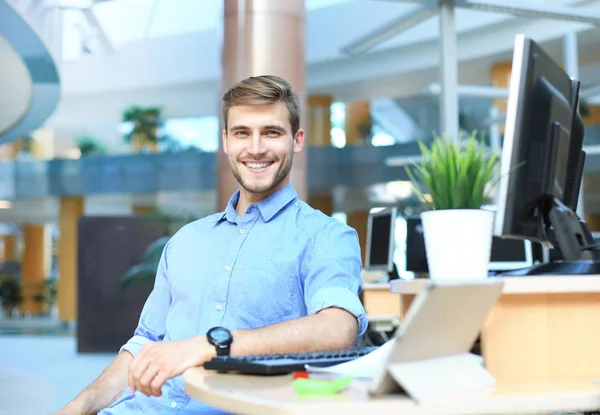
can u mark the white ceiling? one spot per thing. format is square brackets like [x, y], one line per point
[175, 45]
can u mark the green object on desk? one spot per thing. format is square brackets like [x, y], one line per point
[321, 386]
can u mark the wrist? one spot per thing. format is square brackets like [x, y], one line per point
[221, 339]
[205, 350]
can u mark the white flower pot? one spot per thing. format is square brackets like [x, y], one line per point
[458, 243]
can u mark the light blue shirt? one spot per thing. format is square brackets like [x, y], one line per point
[282, 260]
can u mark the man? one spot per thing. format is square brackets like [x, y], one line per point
[270, 271]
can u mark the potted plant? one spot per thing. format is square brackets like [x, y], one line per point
[146, 124]
[89, 146]
[453, 179]
[10, 295]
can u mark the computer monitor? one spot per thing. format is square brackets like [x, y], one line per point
[381, 226]
[510, 254]
[542, 162]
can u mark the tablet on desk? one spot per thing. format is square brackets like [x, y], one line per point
[434, 338]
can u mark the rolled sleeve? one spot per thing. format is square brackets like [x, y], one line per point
[340, 297]
[135, 344]
[152, 323]
[333, 274]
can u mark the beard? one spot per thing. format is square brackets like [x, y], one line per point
[259, 188]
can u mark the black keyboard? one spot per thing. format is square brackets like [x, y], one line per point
[279, 364]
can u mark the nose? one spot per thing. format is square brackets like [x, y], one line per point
[256, 146]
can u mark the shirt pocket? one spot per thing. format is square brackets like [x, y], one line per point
[266, 294]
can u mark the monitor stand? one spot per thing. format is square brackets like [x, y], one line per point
[573, 240]
[393, 274]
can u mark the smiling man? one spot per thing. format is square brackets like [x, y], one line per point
[267, 275]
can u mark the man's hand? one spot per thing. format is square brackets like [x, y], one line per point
[158, 362]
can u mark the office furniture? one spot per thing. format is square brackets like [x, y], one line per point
[382, 308]
[244, 394]
[108, 247]
[379, 301]
[542, 329]
[273, 364]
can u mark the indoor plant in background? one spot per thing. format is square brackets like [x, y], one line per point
[166, 224]
[145, 131]
[88, 146]
[453, 179]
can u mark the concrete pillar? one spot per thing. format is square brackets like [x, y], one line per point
[10, 247]
[448, 70]
[263, 37]
[318, 130]
[71, 208]
[357, 122]
[35, 268]
[318, 133]
[42, 147]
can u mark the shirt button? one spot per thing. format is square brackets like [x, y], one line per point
[241, 231]
[173, 405]
[219, 307]
[227, 268]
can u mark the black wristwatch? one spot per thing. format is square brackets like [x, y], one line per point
[221, 338]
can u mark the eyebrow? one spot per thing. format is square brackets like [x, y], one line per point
[275, 127]
[265, 127]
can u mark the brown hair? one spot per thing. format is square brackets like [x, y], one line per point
[261, 90]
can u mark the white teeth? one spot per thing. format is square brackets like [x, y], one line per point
[257, 165]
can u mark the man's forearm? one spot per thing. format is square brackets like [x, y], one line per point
[105, 389]
[330, 329]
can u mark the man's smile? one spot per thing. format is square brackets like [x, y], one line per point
[258, 167]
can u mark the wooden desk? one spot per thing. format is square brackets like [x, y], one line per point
[275, 395]
[379, 301]
[542, 328]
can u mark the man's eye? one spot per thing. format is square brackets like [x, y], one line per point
[273, 133]
[241, 133]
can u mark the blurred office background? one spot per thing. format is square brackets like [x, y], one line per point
[110, 134]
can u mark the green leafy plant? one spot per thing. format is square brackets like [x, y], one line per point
[145, 122]
[455, 174]
[144, 273]
[584, 108]
[364, 129]
[27, 144]
[89, 146]
[10, 295]
[166, 224]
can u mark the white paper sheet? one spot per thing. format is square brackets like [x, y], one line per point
[365, 367]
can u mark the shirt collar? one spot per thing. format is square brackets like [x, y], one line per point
[268, 207]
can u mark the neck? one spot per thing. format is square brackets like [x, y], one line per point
[247, 198]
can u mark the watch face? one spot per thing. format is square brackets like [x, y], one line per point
[220, 335]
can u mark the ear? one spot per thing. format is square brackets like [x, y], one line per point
[299, 141]
[224, 139]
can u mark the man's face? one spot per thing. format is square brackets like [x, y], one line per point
[260, 146]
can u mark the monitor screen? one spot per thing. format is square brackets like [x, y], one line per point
[380, 240]
[542, 163]
[509, 254]
[542, 148]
